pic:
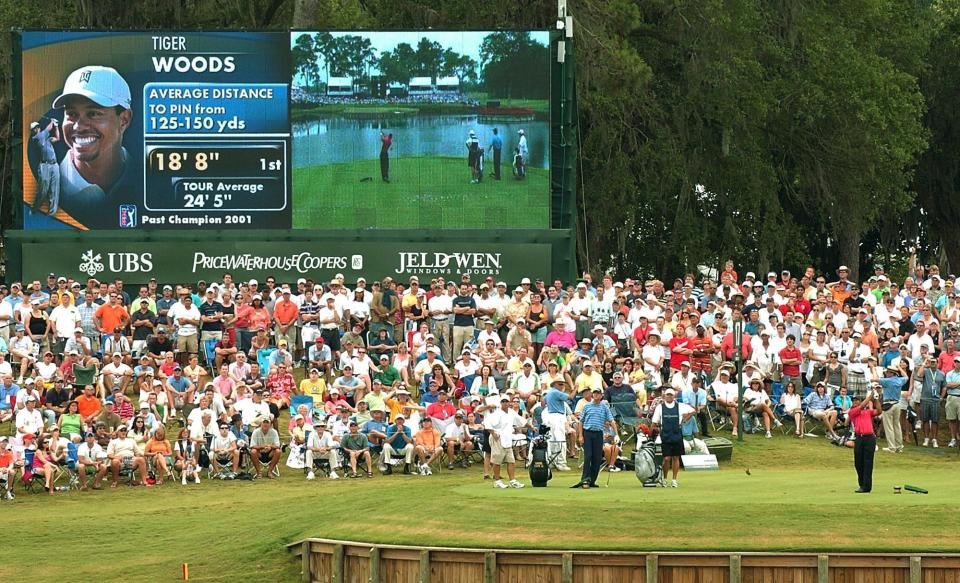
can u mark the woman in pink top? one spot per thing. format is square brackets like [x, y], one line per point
[225, 385]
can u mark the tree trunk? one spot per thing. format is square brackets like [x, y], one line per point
[849, 252]
[950, 238]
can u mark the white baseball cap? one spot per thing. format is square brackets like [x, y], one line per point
[102, 85]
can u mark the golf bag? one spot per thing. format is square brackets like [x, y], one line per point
[540, 472]
[645, 466]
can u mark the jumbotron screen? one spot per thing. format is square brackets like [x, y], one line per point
[421, 129]
[311, 130]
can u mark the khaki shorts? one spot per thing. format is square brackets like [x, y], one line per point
[187, 344]
[499, 454]
[953, 408]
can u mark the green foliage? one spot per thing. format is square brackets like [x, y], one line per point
[774, 133]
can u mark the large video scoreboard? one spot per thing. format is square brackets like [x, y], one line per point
[302, 130]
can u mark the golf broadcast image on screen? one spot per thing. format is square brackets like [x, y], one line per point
[149, 130]
[399, 130]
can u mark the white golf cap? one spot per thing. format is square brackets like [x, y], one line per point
[101, 85]
[34, 124]
[525, 281]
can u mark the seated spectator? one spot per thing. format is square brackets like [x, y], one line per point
[757, 402]
[265, 447]
[350, 386]
[441, 412]
[314, 386]
[335, 402]
[793, 406]
[398, 441]
[354, 445]
[224, 451]
[124, 454]
[29, 419]
[320, 445]
[427, 445]
[186, 457]
[820, 408]
[159, 454]
[457, 437]
[91, 459]
[726, 395]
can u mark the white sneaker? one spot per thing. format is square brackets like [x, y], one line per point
[953, 443]
[674, 484]
[935, 444]
[500, 484]
[615, 469]
[310, 475]
[333, 475]
[429, 471]
[926, 442]
[183, 480]
[768, 435]
[515, 484]
[889, 450]
[9, 495]
[423, 469]
[196, 477]
[919, 424]
[563, 468]
[663, 482]
[777, 423]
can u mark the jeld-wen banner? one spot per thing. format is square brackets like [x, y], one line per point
[286, 261]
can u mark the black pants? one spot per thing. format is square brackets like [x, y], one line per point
[703, 418]
[592, 456]
[863, 450]
[496, 166]
[384, 166]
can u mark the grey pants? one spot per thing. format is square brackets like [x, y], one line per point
[49, 187]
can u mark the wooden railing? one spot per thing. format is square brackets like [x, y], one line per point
[333, 561]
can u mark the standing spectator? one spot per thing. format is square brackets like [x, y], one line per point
[501, 424]
[285, 314]
[668, 418]
[464, 310]
[932, 388]
[186, 318]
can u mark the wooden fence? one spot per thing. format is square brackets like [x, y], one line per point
[333, 561]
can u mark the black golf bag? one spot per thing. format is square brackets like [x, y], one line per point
[540, 472]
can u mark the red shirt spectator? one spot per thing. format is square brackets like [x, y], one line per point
[677, 358]
[790, 353]
[280, 385]
[442, 411]
[728, 349]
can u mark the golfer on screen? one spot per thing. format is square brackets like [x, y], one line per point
[48, 175]
[96, 112]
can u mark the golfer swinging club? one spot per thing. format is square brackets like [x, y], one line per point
[861, 416]
[668, 418]
[48, 172]
[386, 140]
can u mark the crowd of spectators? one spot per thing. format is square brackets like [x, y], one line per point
[170, 381]
[300, 95]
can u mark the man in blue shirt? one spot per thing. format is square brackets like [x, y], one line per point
[398, 441]
[555, 418]
[376, 431]
[179, 391]
[892, 385]
[595, 417]
[496, 145]
[696, 397]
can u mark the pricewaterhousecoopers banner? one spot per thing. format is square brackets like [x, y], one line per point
[287, 261]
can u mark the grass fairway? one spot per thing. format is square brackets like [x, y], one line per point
[798, 497]
[423, 193]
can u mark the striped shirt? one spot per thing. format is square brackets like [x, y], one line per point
[595, 416]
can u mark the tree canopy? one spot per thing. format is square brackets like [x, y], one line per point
[773, 133]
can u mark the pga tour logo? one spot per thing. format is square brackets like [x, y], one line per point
[128, 216]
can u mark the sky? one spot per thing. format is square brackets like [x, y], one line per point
[463, 42]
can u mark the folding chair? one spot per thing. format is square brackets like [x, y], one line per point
[297, 400]
[627, 415]
[718, 416]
